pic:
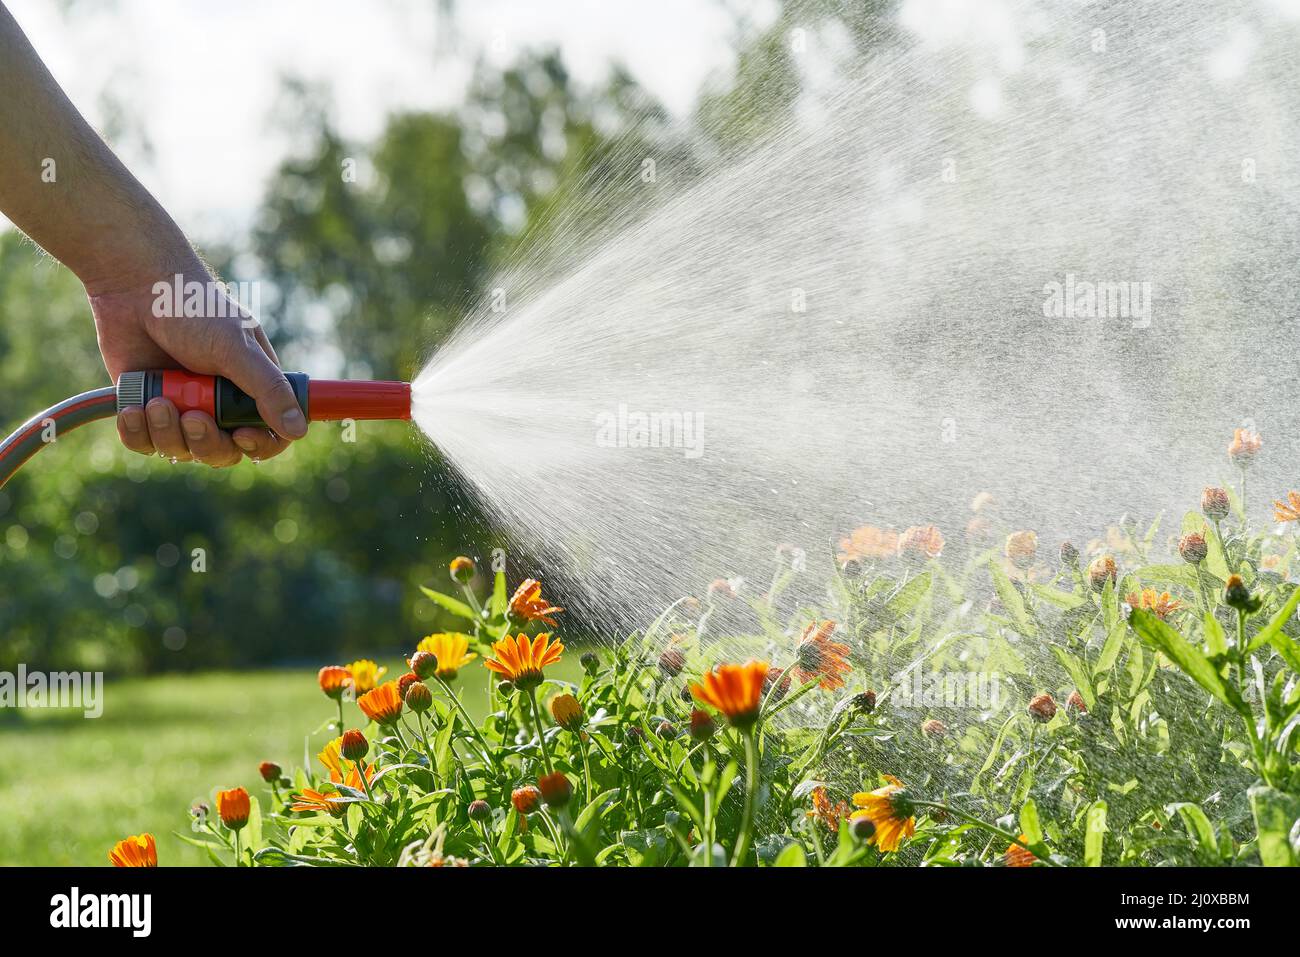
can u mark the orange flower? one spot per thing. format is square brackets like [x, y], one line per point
[383, 704]
[921, 541]
[233, 808]
[1101, 569]
[830, 814]
[1018, 856]
[365, 675]
[819, 657]
[451, 649]
[1290, 511]
[333, 679]
[890, 812]
[461, 568]
[1021, 547]
[735, 690]
[1161, 604]
[520, 660]
[528, 603]
[868, 542]
[330, 802]
[1244, 447]
[138, 850]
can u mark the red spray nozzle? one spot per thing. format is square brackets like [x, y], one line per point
[232, 408]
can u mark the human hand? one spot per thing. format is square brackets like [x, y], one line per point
[228, 342]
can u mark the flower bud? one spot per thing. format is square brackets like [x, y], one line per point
[233, 808]
[1244, 447]
[270, 771]
[462, 569]
[862, 827]
[567, 712]
[354, 746]
[1042, 708]
[685, 694]
[333, 679]
[419, 698]
[1021, 548]
[1075, 703]
[672, 661]
[702, 725]
[479, 810]
[405, 682]
[934, 728]
[590, 662]
[782, 689]
[865, 702]
[1214, 503]
[525, 799]
[666, 730]
[1102, 570]
[1237, 595]
[1069, 555]
[1193, 549]
[424, 664]
[555, 789]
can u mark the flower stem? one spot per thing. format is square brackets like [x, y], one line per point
[751, 787]
[983, 825]
[478, 735]
[541, 732]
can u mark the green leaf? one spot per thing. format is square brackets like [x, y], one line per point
[909, 596]
[1111, 648]
[1215, 640]
[1187, 657]
[1029, 825]
[1013, 602]
[1273, 634]
[1061, 599]
[1184, 575]
[1199, 829]
[499, 598]
[447, 603]
[1276, 813]
[1080, 675]
[792, 856]
[1094, 834]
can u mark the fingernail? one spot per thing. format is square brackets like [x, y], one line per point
[133, 419]
[245, 443]
[295, 423]
[194, 428]
[158, 417]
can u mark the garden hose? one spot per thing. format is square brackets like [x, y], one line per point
[230, 406]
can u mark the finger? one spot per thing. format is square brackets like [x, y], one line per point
[259, 444]
[265, 343]
[250, 368]
[208, 444]
[165, 430]
[133, 430]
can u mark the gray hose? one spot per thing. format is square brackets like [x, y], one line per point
[38, 431]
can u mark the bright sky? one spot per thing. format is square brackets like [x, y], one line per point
[200, 78]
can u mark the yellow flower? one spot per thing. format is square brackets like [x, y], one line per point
[528, 603]
[383, 704]
[520, 660]
[461, 568]
[332, 757]
[365, 675]
[735, 690]
[1162, 604]
[233, 808]
[566, 711]
[328, 801]
[138, 850]
[890, 813]
[452, 651]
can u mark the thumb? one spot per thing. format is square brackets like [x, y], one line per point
[252, 370]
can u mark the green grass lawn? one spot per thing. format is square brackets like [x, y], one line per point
[71, 787]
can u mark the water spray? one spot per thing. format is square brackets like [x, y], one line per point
[321, 400]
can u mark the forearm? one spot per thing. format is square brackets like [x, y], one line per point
[62, 185]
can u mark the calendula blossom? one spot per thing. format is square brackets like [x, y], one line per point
[1017, 856]
[735, 690]
[233, 808]
[522, 660]
[817, 657]
[138, 850]
[365, 675]
[1161, 604]
[1288, 511]
[528, 603]
[890, 811]
[452, 651]
[382, 705]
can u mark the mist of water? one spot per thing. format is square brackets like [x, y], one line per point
[847, 324]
